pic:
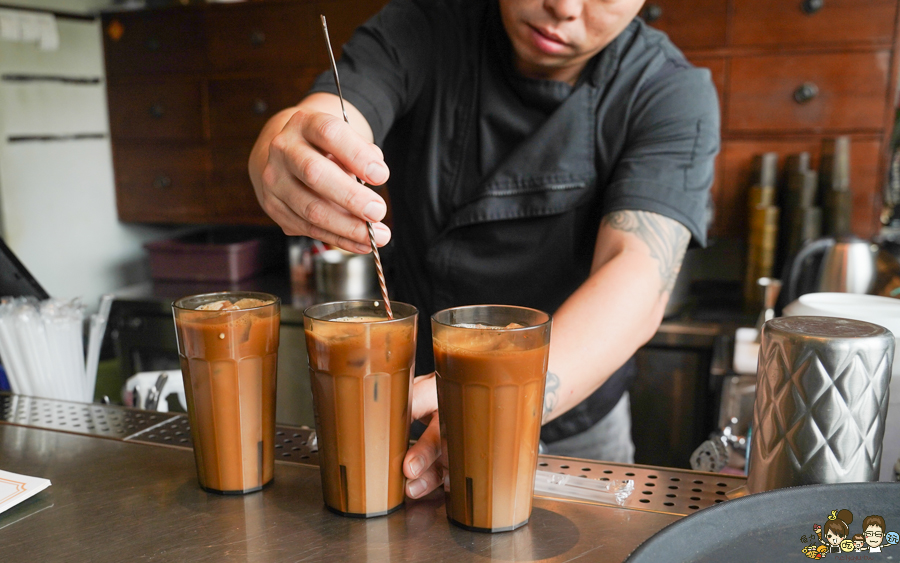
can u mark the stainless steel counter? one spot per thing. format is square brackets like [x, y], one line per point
[126, 490]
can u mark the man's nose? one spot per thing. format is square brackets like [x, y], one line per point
[564, 10]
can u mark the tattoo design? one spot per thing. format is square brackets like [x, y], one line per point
[666, 238]
[551, 394]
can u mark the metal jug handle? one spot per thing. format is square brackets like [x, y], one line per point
[810, 249]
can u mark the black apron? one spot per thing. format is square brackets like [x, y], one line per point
[523, 233]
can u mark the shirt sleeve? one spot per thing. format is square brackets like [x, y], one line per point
[386, 63]
[667, 165]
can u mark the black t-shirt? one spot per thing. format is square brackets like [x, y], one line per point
[499, 182]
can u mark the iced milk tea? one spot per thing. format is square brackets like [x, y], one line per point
[228, 344]
[491, 364]
[361, 367]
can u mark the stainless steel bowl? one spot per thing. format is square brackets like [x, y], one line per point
[342, 275]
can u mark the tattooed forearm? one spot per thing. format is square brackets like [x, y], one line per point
[551, 394]
[667, 240]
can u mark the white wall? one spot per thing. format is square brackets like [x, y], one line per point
[57, 198]
[68, 6]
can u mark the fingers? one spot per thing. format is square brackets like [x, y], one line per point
[424, 402]
[421, 465]
[307, 185]
[328, 135]
[332, 135]
[294, 225]
[327, 221]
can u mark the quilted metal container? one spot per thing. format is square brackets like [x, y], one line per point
[821, 400]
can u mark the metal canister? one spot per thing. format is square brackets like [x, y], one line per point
[821, 400]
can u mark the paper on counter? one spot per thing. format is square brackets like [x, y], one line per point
[15, 488]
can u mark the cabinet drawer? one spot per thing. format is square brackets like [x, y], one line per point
[153, 42]
[235, 201]
[737, 158]
[166, 109]
[162, 183]
[777, 22]
[253, 36]
[841, 91]
[689, 23]
[240, 108]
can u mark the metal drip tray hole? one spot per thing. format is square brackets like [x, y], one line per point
[96, 420]
[177, 432]
[133, 425]
[655, 489]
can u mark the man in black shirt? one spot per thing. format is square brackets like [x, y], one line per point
[555, 154]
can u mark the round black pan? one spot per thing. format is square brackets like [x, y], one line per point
[774, 526]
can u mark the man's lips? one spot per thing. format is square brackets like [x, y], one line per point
[547, 41]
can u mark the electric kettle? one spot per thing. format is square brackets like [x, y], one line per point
[844, 264]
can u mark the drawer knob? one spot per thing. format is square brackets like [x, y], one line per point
[157, 110]
[257, 38]
[161, 182]
[812, 6]
[805, 92]
[259, 106]
[652, 12]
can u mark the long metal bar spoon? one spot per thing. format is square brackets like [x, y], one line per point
[378, 269]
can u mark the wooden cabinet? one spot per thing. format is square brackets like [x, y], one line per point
[691, 24]
[800, 92]
[189, 89]
[812, 22]
[162, 182]
[162, 109]
[791, 74]
[264, 35]
[166, 41]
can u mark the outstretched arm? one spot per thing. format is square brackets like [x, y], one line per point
[637, 257]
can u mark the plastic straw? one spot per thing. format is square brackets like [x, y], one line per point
[95, 340]
[11, 357]
[42, 347]
[567, 486]
[28, 337]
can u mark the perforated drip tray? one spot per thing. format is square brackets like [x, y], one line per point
[106, 421]
[656, 489]
[134, 425]
[291, 444]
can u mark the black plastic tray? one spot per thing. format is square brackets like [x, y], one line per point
[771, 526]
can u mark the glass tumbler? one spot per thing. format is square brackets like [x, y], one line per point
[228, 344]
[491, 363]
[361, 366]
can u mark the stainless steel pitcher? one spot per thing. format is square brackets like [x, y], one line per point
[846, 265]
[822, 394]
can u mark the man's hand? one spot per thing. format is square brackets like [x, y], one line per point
[637, 257]
[425, 466]
[302, 169]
